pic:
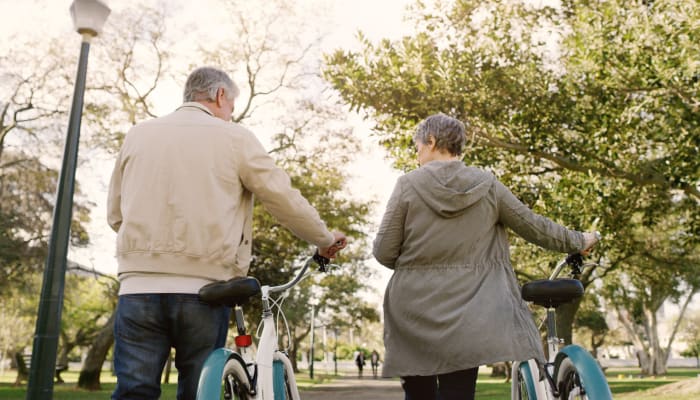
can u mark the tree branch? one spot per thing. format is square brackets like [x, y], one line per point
[652, 178]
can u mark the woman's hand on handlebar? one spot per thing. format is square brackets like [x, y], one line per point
[339, 243]
[590, 239]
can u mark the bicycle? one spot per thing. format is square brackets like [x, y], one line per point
[268, 375]
[570, 372]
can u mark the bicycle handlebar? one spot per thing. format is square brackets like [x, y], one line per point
[322, 262]
[575, 260]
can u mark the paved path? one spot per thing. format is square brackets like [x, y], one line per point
[346, 388]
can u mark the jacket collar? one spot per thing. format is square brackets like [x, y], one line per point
[194, 104]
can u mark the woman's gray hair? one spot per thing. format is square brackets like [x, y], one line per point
[204, 82]
[449, 133]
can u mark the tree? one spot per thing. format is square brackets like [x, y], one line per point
[591, 123]
[591, 320]
[664, 274]
[16, 328]
[85, 312]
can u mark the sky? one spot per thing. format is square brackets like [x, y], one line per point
[374, 178]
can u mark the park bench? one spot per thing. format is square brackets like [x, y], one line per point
[24, 363]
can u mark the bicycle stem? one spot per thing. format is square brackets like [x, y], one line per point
[552, 340]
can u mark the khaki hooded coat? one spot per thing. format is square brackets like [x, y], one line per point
[453, 301]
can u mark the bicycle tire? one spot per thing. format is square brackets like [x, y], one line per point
[570, 384]
[235, 382]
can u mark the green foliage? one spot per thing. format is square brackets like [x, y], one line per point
[16, 322]
[27, 189]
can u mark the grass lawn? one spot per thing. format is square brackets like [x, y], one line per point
[68, 390]
[624, 383]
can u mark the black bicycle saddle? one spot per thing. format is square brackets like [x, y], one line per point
[233, 292]
[552, 293]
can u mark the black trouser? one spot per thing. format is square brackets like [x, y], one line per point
[458, 385]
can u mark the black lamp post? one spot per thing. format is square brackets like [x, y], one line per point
[335, 351]
[311, 351]
[88, 18]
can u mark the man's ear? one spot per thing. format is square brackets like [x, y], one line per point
[431, 142]
[220, 96]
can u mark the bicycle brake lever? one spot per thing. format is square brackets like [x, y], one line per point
[321, 261]
[575, 260]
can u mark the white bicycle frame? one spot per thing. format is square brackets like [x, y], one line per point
[268, 351]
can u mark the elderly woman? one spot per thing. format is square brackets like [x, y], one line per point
[453, 302]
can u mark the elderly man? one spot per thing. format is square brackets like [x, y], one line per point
[181, 201]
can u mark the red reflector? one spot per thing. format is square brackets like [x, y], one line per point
[244, 340]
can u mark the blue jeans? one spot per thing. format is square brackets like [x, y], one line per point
[458, 385]
[147, 326]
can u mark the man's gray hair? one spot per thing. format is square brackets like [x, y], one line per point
[204, 82]
[449, 133]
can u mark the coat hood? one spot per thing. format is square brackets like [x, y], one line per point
[449, 187]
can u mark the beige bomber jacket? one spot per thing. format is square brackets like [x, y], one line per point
[181, 197]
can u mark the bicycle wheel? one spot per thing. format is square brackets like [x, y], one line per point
[235, 381]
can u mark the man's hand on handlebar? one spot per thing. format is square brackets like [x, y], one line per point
[339, 243]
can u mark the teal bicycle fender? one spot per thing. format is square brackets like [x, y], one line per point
[278, 383]
[588, 369]
[210, 379]
[529, 382]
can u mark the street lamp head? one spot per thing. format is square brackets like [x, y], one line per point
[89, 16]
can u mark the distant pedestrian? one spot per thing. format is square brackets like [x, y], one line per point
[360, 362]
[374, 360]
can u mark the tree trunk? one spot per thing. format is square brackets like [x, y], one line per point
[293, 359]
[658, 356]
[643, 359]
[62, 360]
[22, 370]
[92, 368]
